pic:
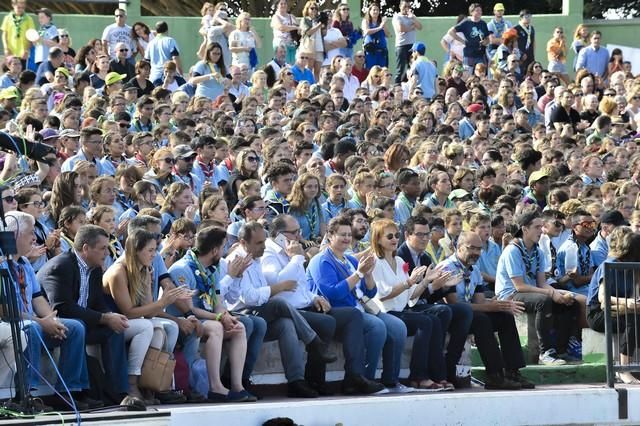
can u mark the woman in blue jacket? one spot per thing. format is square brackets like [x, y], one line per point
[346, 282]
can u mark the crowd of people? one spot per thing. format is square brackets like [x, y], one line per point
[196, 208]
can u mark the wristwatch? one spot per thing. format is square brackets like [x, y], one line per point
[360, 274]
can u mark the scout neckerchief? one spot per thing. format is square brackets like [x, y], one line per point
[208, 169]
[17, 21]
[584, 259]
[205, 280]
[528, 259]
[115, 249]
[466, 276]
[312, 214]
[528, 33]
[406, 202]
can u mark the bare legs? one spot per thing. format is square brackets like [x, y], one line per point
[237, 347]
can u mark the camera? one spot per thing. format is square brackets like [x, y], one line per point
[323, 17]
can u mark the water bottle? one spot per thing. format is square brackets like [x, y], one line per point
[571, 259]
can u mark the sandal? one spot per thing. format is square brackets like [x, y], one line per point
[426, 385]
[447, 386]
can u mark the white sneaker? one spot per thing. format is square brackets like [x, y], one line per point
[550, 357]
[400, 388]
[382, 391]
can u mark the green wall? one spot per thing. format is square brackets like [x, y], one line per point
[185, 30]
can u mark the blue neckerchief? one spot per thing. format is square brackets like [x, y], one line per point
[205, 279]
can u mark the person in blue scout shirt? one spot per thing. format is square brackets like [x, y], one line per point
[520, 276]
[336, 186]
[609, 221]
[624, 247]
[409, 183]
[198, 270]
[480, 223]
[502, 362]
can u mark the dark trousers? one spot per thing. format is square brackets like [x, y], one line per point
[114, 356]
[427, 355]
[550, 315]
[345, 325]
[624, 325]
[497, 358]
[403, 55]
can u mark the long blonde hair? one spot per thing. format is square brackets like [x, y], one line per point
[138, 275]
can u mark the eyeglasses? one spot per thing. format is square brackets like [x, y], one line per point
[187, 237]
[169, 160]
[9, 199]
[292, 232]
[588, 224]
[578, 94]
[422, 234]
[390, 237]
[38, 204]
[252, 159]
[123, 50]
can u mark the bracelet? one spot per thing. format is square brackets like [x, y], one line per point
[219, 316]
[189, 313]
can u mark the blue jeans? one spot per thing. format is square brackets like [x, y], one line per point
[386, 332]
[72, 363]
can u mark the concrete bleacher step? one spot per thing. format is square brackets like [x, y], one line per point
[555, 375]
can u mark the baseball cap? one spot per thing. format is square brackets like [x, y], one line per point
[474, 108]
[69, 133]
[9, 93]
[458, 193]
[183, 151]
[498, 6]
[419, 47]
[537, 175]
[114, 77]
[64, 71]
[48, 133]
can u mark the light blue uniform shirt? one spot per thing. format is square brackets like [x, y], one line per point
[160, 50]
[209, 88]
[512, 264]
[599, 250]
[70, 162]
[561, 259]
[464, 290]
[488, 261]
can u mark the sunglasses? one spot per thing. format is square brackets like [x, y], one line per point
[289, 72]
[9, 198]
[390, 237]
[587, 224]
[124, 125]
[636, 98]
[169, 160]
[123, 50]
[39, 204]
[64, 35]
[252, 159]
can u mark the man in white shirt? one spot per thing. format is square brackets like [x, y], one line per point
[351, 82]
[283, 259]
[237, 89]
[333, 41]
[116, 33]
[284, 322]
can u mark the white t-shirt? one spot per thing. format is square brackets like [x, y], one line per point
[455, 46]
[114, 34]
[282, 37]
[41, 49]
[245, 39]
[333, 35]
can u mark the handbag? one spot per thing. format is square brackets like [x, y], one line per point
[157, 370]
[369, 305]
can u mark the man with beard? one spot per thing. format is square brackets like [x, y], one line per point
[502, 362]
[359, 230]
[185, 157]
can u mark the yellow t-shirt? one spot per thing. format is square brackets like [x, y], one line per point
[17, 42]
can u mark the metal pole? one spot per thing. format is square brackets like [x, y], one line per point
[608, 278]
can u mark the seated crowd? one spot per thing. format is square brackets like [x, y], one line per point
[308, 201]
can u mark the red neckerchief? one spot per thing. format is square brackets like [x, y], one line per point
[333, 167]
[207, 168]
[186, 179]
[229, 164]
[140, 158]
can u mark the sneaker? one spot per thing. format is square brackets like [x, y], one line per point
[171, 397]
[400, 388]
[550, 357]
[570, 358]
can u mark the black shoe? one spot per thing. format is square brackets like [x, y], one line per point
[60, 404]
[323, 388]
[460, 382]
[92, 403]
[251, 388]
[321, 350]
[497, 381]
[360, 385]
[301, 389]
[171, 397]
[195, 398]
[515, 376]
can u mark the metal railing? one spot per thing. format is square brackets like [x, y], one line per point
[622, 317]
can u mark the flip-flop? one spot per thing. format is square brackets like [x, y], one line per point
[423, 387]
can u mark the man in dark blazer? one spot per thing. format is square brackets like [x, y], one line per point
[73, 284]
[454, 318]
